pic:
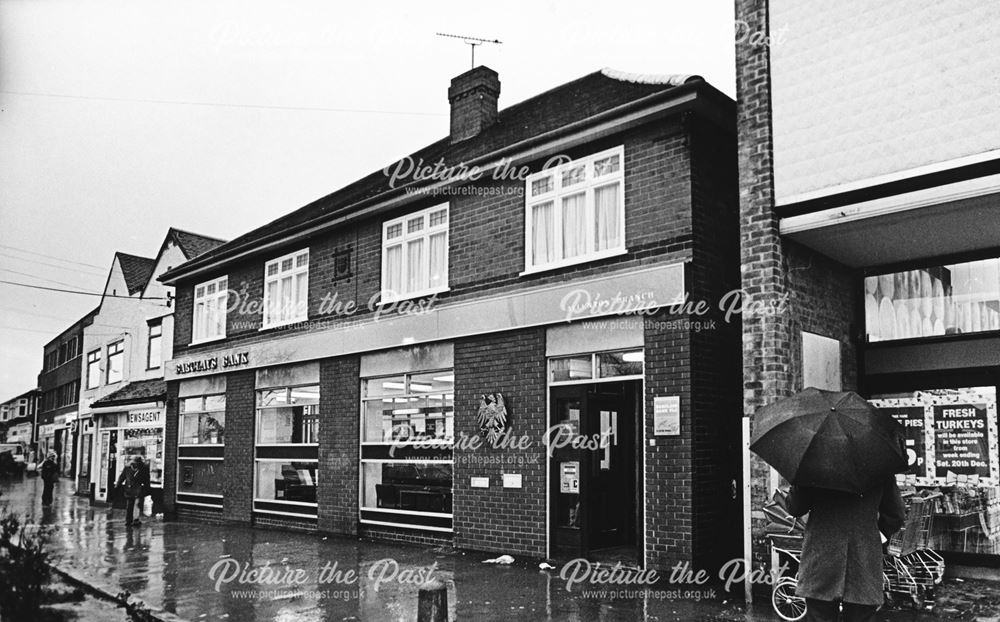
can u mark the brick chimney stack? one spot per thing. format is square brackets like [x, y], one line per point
[473, 97]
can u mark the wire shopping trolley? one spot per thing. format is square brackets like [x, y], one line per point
[910, 567]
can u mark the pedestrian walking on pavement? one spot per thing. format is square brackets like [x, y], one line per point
[49, 472]
[144, 492]
[132, 481]
[842, 551]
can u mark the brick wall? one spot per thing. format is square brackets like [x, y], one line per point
[170, 431]
[716, 372]
[667, 465]
[501, 519]
[819, 293]
[337, 490]
[486, 243]
[237, 503]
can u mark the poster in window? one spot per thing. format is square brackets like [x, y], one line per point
[961, 441]
[914, 430]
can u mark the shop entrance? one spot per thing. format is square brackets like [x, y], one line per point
[594, 469]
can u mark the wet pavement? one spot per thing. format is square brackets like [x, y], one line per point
[205, 572]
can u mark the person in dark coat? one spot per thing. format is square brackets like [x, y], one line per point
[49, 472]
[842, 550]
[133, 481]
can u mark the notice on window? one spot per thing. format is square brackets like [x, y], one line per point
[569, 477]
[912, 420]
[961, 440]
[667, 415]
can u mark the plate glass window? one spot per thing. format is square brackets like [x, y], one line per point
[203, 420]
[210, 300]
[286, 289]
[596, 366]
[575, 212]
[415, 254]
[410, 408]
[952, 299]
[288, 416]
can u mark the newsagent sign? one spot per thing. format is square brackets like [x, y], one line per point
[950, 434]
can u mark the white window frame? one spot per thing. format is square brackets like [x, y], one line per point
[403, 240]
[301, 306]
[119, 347]
[96, 360]
[558, 192]
[158, 325]
[219, 298]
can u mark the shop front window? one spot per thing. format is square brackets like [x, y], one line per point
[410, 407]
[147, 443]
[286, 481]
[288, 416]
[287, 440]
[951, 442]
[407, 432]
[407, 486]
[203, 420]
[199, 477]
[952, 299]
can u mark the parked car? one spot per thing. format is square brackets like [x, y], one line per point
[12, 458]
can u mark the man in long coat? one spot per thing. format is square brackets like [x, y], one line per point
[133, 480]
[842, 550]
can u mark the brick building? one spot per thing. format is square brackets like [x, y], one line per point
[59, 383]
[870, 215]
[408, 357]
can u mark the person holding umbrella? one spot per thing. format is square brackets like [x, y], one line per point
[840, 456]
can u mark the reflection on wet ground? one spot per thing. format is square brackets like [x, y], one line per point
[169, 566]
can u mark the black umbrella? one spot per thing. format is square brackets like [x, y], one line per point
[831, 440]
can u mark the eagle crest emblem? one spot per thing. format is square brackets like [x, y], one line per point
[492, 416]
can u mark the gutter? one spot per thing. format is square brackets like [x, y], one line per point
[661, 104]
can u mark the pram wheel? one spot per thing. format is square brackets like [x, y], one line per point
[786, 604]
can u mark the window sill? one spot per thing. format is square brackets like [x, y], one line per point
[407, 512]
[408, 443]
[283, 324]
[410, 296]
[198, 342]
[307, 504]
[574, 262]
[200, 445]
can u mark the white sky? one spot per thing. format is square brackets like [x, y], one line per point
[86, 170]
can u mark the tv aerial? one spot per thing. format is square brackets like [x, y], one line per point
[472, 42]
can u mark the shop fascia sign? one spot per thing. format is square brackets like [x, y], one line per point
[143, 417]
[213, 362]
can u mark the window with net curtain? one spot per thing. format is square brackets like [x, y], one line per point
[286, 289]
[210, 299]
[415, 254]
[575, 211]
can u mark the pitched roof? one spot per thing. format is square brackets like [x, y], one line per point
[551, 111]
[193, 244]
[134, 393]
[136, 270]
